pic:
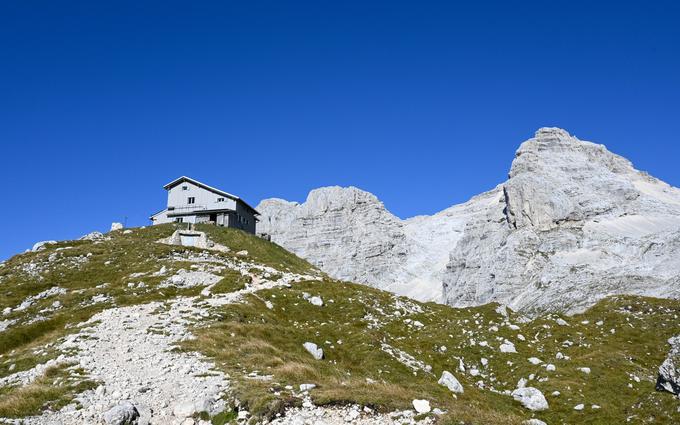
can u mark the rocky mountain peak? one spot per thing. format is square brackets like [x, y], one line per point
[557, 178]
[546, 133]
[339, 229]
[573, 223]
[337, 197]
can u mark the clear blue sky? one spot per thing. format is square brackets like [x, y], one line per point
[422, 103]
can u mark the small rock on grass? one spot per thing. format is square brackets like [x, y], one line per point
[450, 382]
[508, 347]
[421, 406]
[314, 350]
[317, 301]
[531, 398]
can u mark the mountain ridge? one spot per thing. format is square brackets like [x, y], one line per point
[556, 183]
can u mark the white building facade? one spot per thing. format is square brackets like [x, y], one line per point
[190, 201]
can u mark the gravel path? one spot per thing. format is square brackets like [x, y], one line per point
[128, 349]
[309, 414]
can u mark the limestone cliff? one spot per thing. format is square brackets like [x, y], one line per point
[577, 223]
[572, 224]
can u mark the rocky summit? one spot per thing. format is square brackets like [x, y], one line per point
[573, 224]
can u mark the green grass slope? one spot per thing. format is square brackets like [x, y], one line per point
[361, 330]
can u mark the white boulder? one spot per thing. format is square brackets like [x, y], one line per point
[116, 226]
[317, 301]
[314, 350]
[124, 413]
[421, 406]
[531, 398]
[449, 381]
[508, 347]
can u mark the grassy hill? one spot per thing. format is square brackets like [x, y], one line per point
[380, 350]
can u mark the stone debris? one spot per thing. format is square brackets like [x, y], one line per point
[4, 324]
[27, 376]
[190, 278]
[53, 291]
[116, 226]
[308, 414]
[406, 359]
[136, 365]
[117, 348]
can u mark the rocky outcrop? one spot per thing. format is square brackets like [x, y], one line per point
[349, 234]
[38, 246]
[669, 371]
[345, 231]
[576, 223]
[572, 224]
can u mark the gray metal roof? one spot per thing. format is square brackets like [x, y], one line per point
[206, 187]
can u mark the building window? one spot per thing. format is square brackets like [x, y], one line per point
[185, 188]
[179, 220]
[220, 199]
[191, 200]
